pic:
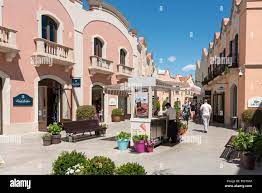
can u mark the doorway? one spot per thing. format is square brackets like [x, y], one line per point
[54, 103]
[98, 101]
[1, 107]
[122, 104]
[233, 100]
[219, 107]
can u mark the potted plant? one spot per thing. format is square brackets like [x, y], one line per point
[244, 143]
[140, 143]
[150, 144]
[117, 115]
[123, 139]
[47, 139]
[55, 129]
[258, 147]
[86, 112]
[181, 128]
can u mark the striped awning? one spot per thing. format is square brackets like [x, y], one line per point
[118, 89]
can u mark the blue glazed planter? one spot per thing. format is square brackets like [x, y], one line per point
[123, 145]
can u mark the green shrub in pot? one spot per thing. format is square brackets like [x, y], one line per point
[99, 165]
[245, 143]
[55, 129]
[138, 138]
[117, 115]
[67, 160]
[47, 139]
[130, 169]
[86, 112]
[122, 136]
[117, 112]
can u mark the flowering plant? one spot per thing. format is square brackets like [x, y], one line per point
[123, 136]
[55, 129]
[75, 170]
[151, 143]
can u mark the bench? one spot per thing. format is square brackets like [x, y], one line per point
[81, 130]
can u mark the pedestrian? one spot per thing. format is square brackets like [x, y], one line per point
[206, 111]
[193, 110]
[172, 124]
[186, 111]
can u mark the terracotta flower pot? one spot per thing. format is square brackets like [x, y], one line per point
[56, 139]
[116, 118]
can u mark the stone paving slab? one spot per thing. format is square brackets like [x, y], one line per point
[31, 157]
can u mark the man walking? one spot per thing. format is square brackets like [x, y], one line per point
[172, 124]
[206, 111]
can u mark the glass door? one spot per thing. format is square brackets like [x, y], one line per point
[42, 108]
[66, 105]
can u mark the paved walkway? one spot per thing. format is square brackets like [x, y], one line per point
[199, 157]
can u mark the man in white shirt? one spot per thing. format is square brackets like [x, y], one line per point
[206, 111]
[172, 124]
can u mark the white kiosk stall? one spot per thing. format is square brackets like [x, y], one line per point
[144, 115]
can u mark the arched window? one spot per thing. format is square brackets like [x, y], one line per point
[49, 28]
[123, 57]
[98, 48]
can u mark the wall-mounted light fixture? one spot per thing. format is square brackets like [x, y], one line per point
[241, 71]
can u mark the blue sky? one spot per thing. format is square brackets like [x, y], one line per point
[175, 30]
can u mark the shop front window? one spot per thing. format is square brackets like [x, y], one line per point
[142, 103]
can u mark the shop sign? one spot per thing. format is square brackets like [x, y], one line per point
[23, 100]
[255, 102]
[221, 88]
[208, 93]
[112, 102]
[76, 82]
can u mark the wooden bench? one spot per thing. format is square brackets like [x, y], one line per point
[81, 130]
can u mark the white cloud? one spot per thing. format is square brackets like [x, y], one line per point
[161, 60]
[172, 59]
[189, 67]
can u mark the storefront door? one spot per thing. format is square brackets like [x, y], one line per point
[98, 101]
[42, 108]
[122, 104]
[66, 105]
[218, 107]
[50, 95]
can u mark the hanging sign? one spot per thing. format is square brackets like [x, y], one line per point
[23, 100]
[255, 102]
[76, 82]
[112, 102]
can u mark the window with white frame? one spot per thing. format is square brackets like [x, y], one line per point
[49, 28]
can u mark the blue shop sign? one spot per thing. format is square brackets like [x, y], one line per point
[23, 100]
[76, 82]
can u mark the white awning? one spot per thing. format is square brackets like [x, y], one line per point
[195, 89]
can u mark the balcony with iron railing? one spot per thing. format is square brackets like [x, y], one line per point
[100, 66]
[58, 54]
[8, 43]
[216, 72]
[124, 71]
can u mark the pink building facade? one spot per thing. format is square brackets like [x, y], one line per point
[231, 68]
[56, 56]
